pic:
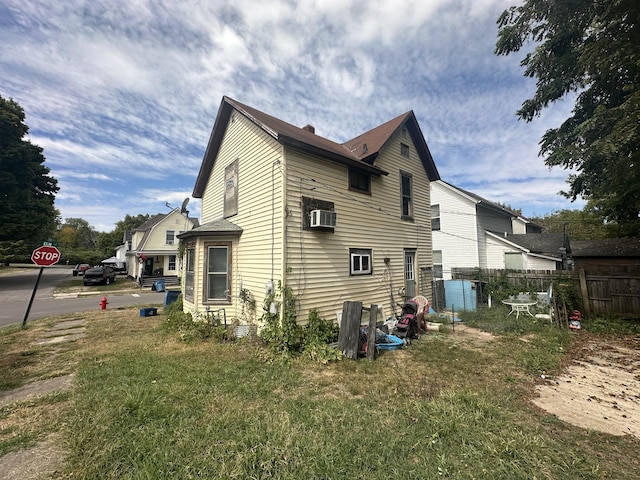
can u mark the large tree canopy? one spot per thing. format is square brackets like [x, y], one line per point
[591, 49]
[27, 192]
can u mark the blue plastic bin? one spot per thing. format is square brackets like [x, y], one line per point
[171, 296]
[148, 312]
[159, 285]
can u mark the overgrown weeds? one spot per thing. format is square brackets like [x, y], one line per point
[286, 339]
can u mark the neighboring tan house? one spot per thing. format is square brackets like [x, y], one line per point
[332, 222]
[154, 246]
[460, 222]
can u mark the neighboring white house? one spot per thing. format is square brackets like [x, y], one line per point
[154, 246]
[464, 228]
[536, 251]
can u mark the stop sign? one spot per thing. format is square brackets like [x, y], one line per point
[45, 256]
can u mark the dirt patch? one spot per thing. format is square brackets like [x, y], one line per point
[600, 391]
[41, 461]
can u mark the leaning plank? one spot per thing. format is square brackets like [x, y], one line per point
[349, 335]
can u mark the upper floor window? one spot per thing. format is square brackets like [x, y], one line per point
[359, 181]
[404, 149]
[435, 217]
[170, 237]
[406, 186]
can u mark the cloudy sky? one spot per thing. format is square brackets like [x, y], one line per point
[122, 96]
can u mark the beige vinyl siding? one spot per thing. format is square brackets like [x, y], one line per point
[318, 262]
[260, 182]
[157, 240]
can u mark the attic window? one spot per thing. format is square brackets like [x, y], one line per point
[404, 150]
[359, 181]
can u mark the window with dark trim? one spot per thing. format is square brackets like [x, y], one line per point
[360, 261]
[217, 281]
[406, 186]
[189, 278]
[404, 149]
[435, 217]
[359, 181]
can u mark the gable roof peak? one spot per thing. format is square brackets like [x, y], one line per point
[360, 155]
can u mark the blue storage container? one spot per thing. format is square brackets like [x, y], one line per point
[171, 296]
[159, 285]
[460, 295]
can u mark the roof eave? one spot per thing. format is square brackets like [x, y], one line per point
[332, 156]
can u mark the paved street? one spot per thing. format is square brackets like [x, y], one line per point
[16, 288]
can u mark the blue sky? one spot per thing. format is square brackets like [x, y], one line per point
[122, 96]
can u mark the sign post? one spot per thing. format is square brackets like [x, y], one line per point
[43, 256]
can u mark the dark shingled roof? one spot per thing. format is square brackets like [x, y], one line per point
[216, 227]
[607, 247]
[540, 243]
[351, 153]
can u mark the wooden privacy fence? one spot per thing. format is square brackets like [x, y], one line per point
[602, 293]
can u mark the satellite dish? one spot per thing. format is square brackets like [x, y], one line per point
[183, 209]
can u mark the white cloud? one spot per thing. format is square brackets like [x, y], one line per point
[131, 93]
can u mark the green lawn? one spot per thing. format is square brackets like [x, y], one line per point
[148, 406]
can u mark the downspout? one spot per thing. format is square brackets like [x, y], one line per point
[283, 213]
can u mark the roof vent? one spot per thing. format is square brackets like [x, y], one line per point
[309, 128]
[365, 149]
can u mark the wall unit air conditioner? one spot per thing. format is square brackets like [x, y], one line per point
[322, 218]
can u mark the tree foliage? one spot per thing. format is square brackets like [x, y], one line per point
[109, 241]
[589, 49]
[27, 192]
[76, 233]
[583, 224]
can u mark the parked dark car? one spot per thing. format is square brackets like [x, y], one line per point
[80, 268]
[98, 275]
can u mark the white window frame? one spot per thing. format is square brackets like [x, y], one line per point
[210, 274]
[438, 271]
[170, 237]
[360, 261]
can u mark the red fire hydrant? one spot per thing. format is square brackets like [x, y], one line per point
[103, 303]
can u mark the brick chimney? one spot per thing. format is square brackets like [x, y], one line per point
[309, 128]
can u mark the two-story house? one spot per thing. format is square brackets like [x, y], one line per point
[154, 245]
[334, 222]
[471, 232]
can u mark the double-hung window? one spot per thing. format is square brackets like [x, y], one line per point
[170, 237]
[435, 217]
[437, 264]
[189, 279]
[406, 187]
[218, 278]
